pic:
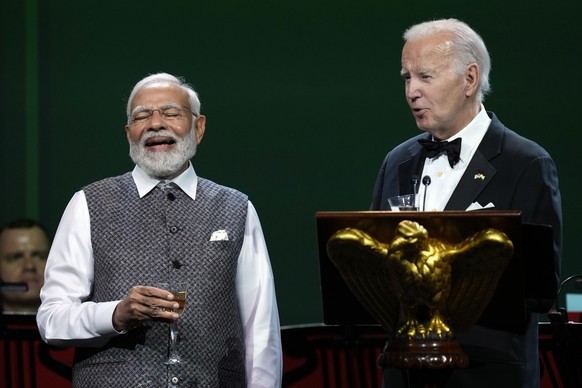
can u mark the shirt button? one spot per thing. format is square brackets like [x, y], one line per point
[173, 229]
[175, 380]
[171, 196]
[440, 174]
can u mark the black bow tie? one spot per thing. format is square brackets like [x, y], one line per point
[435, 148]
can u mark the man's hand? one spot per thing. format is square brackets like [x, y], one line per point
[144, 303]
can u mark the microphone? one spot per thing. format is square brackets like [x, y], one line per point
[414, 182]
[425, 182]
[13, 287]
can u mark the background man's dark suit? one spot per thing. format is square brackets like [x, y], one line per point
[519, 175]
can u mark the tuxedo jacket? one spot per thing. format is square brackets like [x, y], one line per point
[512, 173]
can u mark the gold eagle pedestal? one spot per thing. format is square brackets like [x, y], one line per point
[422, 289]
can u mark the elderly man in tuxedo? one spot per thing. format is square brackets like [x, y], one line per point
[467, 159]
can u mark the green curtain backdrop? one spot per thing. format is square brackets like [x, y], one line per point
[303, 100]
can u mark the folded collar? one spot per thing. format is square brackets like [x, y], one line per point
[187, 181]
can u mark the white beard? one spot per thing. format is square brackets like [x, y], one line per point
[161, 165]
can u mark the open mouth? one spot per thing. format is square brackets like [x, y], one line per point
[159, 141]
[418, 112]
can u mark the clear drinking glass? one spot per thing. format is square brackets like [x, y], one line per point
[180, 291]
[406, 202]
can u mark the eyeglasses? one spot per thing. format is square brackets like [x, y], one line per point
[169, 113]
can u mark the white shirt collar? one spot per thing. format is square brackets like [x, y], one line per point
[187, 181]
[472, 134]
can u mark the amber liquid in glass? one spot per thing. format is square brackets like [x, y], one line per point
[180, 298]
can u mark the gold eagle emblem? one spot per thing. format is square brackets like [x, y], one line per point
[418, 287]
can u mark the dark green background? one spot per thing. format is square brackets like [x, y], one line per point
[303, 100]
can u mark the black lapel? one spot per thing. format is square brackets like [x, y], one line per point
[479, 171]
[477, 175]
[410, 168]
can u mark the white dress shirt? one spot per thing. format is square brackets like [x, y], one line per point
[444, 178]
[67, 318]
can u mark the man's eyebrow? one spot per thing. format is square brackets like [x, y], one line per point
[170, 105]
[141, 108]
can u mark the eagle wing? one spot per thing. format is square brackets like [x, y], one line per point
[477, 264]
[362, 262]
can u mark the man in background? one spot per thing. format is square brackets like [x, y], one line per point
[24, 247]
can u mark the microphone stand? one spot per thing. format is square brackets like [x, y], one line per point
[560, 314]
[425, 182]
[415, 191]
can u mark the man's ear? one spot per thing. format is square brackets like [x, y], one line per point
[472, 76]
[127, 131]
[200, 127]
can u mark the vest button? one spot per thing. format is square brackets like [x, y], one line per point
[171, 196]
[173, 229]
[176, 264]
[175, 380]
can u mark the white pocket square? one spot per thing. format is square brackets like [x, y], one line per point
[477, 206]
[219, 235]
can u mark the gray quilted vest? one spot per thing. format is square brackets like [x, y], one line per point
[165, 235]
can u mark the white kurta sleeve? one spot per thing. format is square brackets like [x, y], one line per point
[260, 317]
[65, 317]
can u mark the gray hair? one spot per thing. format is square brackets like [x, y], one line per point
[468, 47]
[165, 77]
